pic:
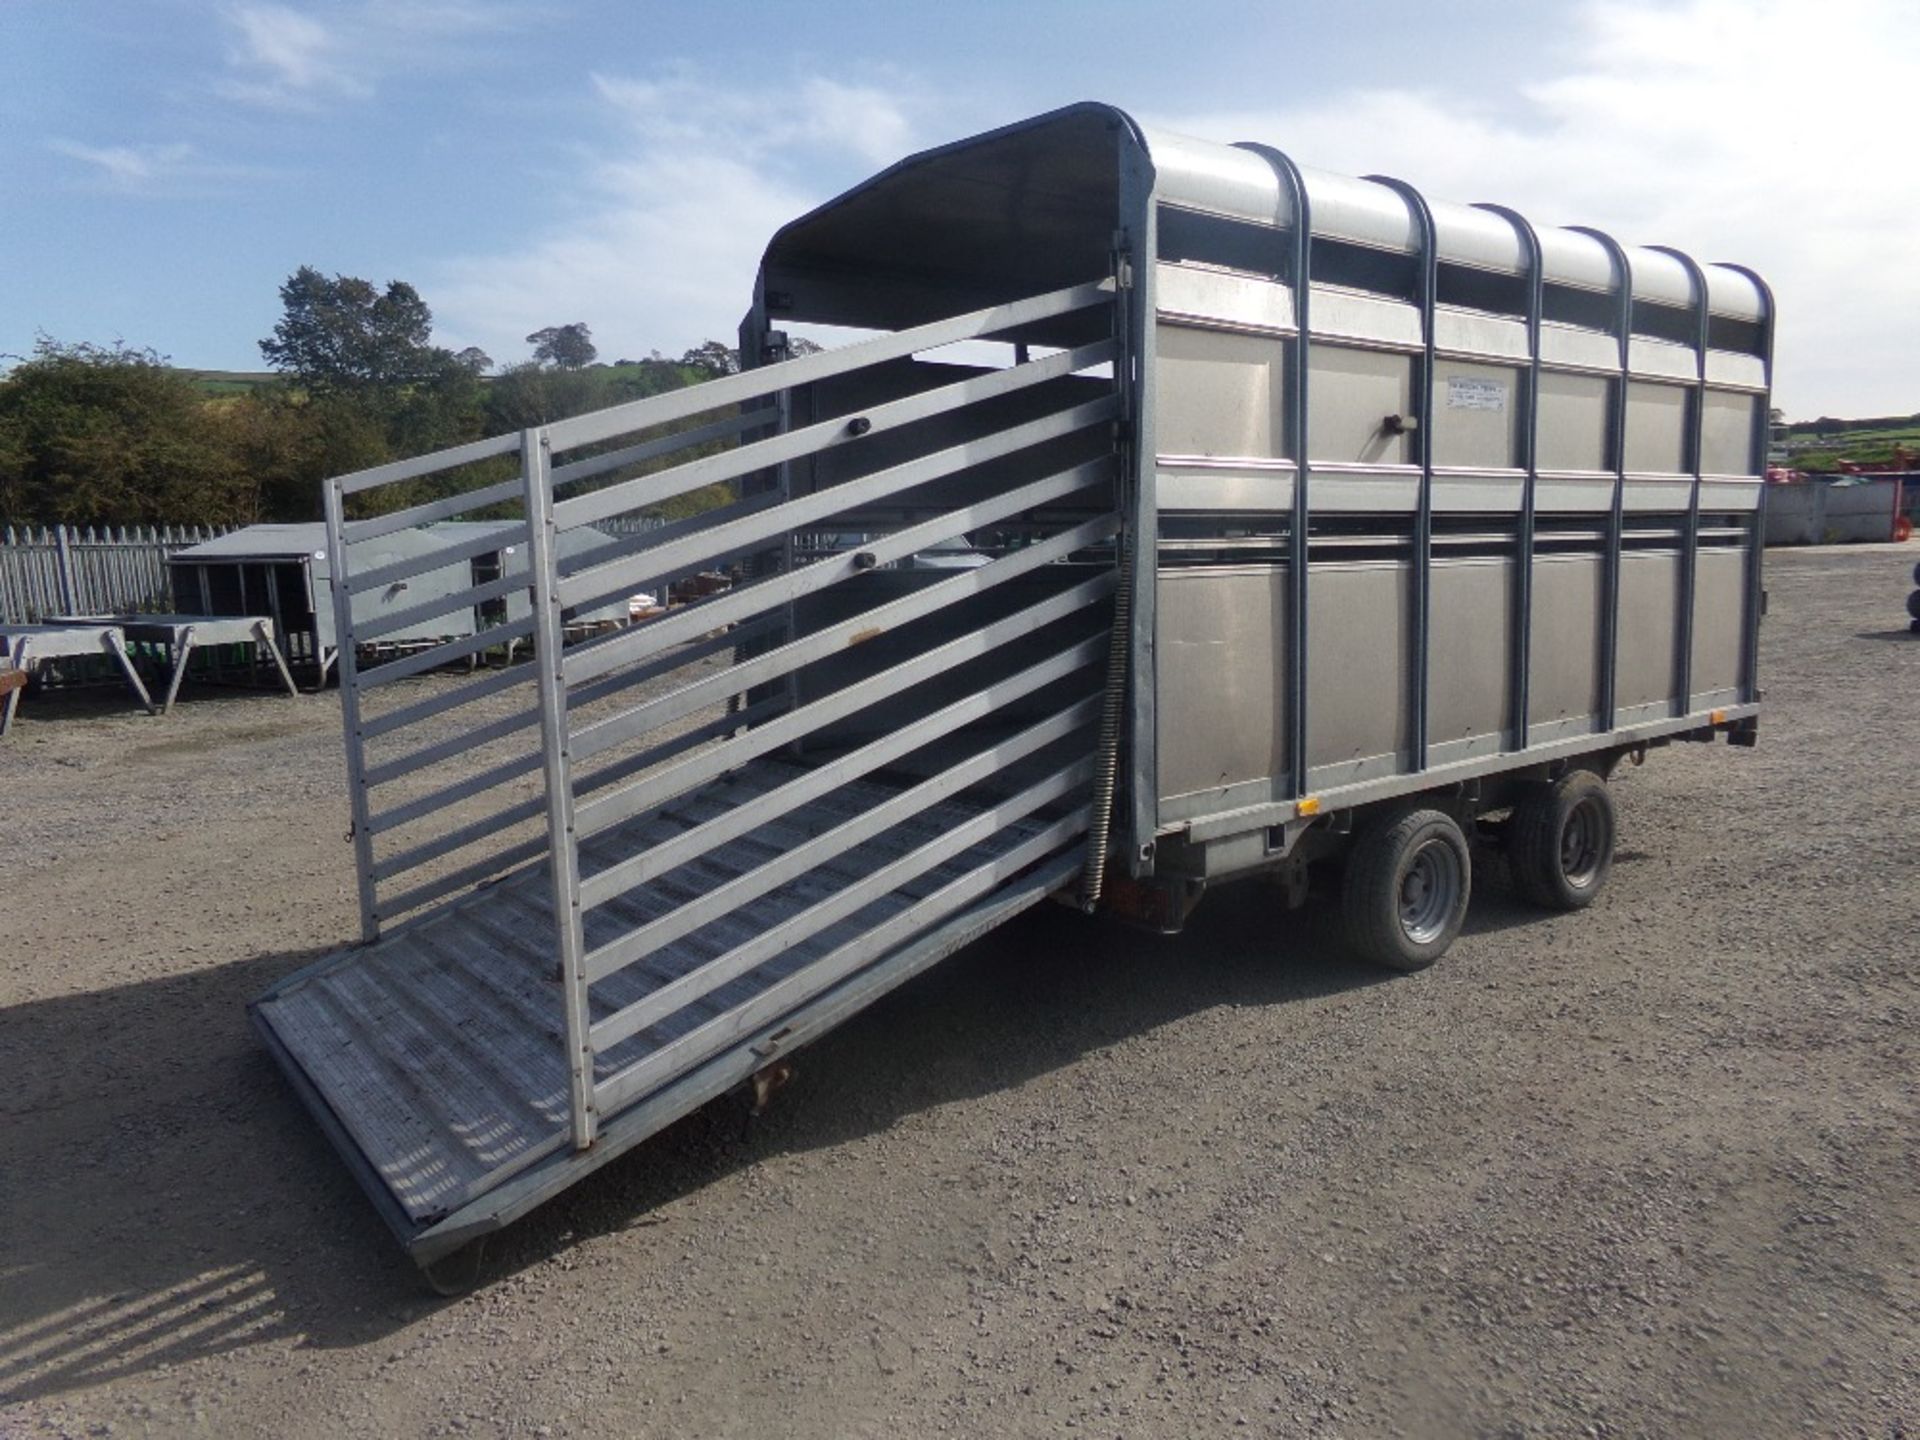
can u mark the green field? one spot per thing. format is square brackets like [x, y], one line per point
[230, 382]
[1873, 443]
[220, 383]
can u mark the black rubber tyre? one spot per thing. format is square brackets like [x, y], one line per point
[452, 1276]
[1560, 844]
[1916, 572]
[1407, 885]
[1913, 604]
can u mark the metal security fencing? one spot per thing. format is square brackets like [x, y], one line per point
[109, 570]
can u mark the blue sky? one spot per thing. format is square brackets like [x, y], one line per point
[166, 163]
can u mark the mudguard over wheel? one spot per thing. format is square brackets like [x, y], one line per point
[1407, 885]
[1560, 844]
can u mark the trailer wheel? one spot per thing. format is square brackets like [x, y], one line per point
[1913, 603]
[457, 1274]
[1407, 883]
[1561, 844]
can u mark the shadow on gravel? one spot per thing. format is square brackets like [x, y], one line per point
[1904, 635]
[1034, 997]
[166, 1198]
[84, 705]
[162, 1195]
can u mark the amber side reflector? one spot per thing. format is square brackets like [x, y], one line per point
[1718, 717]
[1308, 806]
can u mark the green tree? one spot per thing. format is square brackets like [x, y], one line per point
[570, 347]
[712, 360]
[289, 442]
[528, 394]
[340, 333]
[92, 434]
[365, 383]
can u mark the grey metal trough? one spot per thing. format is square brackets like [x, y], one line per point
[28, 647]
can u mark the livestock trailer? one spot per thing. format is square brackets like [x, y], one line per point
[1323, 523]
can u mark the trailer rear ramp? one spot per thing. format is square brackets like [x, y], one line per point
[439, 1052]
[602, 888]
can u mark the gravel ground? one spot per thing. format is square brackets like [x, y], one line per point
[1649, 1170]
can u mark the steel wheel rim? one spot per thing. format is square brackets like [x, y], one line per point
[1429, 891]
[1580, 844]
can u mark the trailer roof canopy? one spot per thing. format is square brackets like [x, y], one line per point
[1017, 211]
[1033, 206]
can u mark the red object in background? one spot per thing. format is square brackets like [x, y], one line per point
[1903, 460]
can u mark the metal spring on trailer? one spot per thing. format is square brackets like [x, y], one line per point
[1107, 766]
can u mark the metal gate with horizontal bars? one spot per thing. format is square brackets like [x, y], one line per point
[879, 714]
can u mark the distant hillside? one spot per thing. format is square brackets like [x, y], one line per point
[229, 382]
[1819, 446]
[220, 383]
[1827, 425]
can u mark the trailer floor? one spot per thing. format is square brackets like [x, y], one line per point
[438, 1051]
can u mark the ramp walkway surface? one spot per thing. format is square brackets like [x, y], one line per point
[440, 1050]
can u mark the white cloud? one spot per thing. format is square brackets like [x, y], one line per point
[866, 122]
[131, 168]
[682, 108]
[662, 253]
[287, 58]
[151, 168]
[1690, 125]
[281, 57]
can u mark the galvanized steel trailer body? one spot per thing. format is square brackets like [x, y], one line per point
[1643, 349]
[1389, 498]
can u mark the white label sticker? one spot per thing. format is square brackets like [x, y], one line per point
[1465, 392]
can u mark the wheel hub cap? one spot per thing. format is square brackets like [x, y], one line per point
[1429, 891]
[1580, 845]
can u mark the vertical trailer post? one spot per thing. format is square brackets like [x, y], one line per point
[1696, 419]
[1298, 527]
[334, 503]
[1616, 515]
[1139, 510]
[759, 348]
[1093, 873]
[1756, 544]
[1522, 651]
[1423, 446]
[563, 853]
